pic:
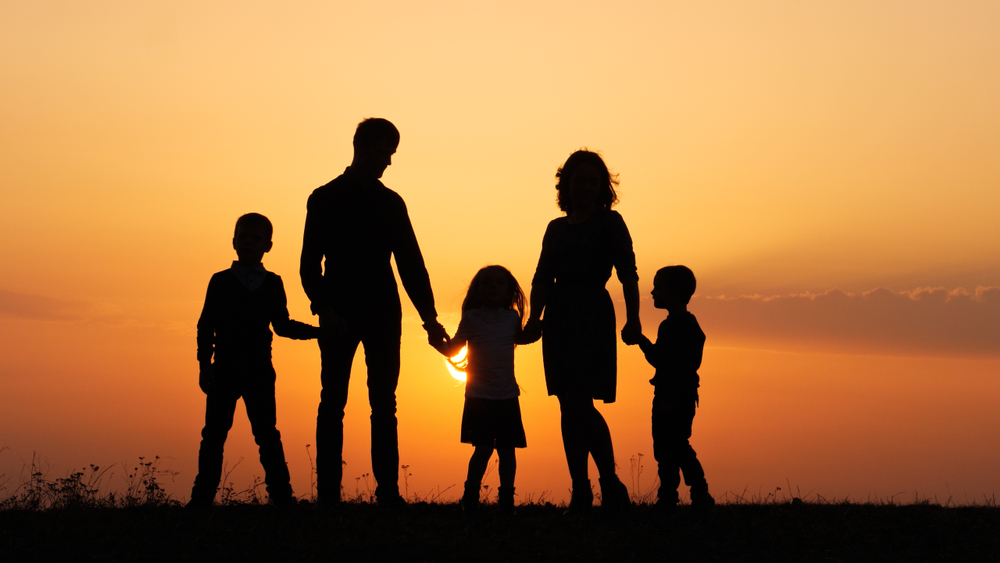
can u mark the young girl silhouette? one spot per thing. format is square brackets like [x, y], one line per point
[492, 318]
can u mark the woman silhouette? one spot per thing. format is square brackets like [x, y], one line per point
[579, 344]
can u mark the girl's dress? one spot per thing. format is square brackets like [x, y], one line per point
[579, 340]
[492, 414]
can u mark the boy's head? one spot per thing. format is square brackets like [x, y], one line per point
[673, 287]
[252, 238]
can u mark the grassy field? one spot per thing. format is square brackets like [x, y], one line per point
[76, 519]
[440, 532]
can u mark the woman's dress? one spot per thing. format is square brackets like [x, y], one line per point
[579, 338]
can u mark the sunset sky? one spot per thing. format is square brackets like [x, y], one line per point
[829, 171]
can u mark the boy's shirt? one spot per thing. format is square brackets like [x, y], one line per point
[677, 353]
[241, 306]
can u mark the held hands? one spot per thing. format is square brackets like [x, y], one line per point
[437, 336]
[206, 377]
[532, 331]
[632, 333]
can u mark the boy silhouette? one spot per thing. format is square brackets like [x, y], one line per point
[676, 355]
[354, 226]
[241, 303]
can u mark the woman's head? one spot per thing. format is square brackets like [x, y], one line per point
[494, 286]
[586, 175]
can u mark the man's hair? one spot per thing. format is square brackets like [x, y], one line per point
[375, 129]
[255, 220]
[679, 279]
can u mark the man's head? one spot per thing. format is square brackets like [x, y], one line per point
[375, 141]
[673, 287]
[252, 238]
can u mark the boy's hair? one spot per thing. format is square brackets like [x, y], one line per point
[678, 278]
[375, 129]
[255, 220]
[514, 299]
[606, 197]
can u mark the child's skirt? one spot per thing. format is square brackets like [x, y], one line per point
[493, 422]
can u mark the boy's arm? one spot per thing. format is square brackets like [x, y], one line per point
[284, 326]
[206, 338]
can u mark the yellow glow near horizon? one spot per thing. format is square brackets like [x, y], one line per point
[457, 359]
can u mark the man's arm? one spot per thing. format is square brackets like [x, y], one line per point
[413, 274]
[311, 260]
[282, 324]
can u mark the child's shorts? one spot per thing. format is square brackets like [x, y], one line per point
[493, 422]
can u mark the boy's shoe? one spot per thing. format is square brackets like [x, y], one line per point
[582, 499]
[392, 502]
[614, 494]
[703, 502]
[284, 501]
[665, 506]
[199, 504]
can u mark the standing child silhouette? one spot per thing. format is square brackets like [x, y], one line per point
[676, 355]
[242, 303]
[491, 325]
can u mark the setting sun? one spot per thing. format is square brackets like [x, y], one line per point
[456, 364]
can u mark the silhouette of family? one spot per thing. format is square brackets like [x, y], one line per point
[354, 227]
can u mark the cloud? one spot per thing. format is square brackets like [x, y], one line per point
[924, 321]
[38, 307]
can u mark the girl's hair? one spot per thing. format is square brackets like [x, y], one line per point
[513, 300]
[606, 197]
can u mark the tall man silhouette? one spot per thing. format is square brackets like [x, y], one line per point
[356, 224]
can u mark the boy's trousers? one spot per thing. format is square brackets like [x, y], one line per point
[673, 414]
[255, 384]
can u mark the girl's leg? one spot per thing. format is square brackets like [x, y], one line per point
[478, 463]
[508, 467]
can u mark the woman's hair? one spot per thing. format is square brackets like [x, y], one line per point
[514, 299]
[606, 197]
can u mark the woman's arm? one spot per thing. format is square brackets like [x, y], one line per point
[632, 331]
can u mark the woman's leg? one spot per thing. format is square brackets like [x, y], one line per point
[575, 422]
[600, 445]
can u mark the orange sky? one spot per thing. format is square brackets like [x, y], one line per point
[827, 170]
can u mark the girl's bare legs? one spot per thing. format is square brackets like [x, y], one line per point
[508, 467]
[478, 462]
[477, 468]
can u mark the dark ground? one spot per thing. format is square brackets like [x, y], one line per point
[439, 532]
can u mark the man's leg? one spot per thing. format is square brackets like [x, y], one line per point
[337, 355]
[258, 396]
[382, 358]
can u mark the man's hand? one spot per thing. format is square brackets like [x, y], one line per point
[332, 324]
[206, 377]
[437, 336]
[632, 333]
